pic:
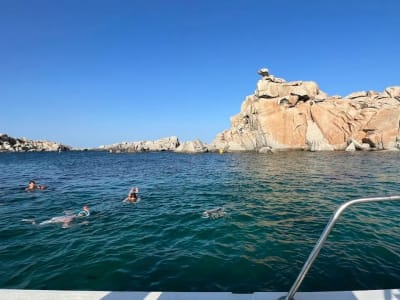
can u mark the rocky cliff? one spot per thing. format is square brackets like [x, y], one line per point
[294, 115]
[10, 144]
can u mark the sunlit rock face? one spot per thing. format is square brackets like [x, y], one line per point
[163, 144]
[195, 146]
[11, 144]
[297, 115]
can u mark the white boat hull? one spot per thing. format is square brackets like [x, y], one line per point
[13, 294]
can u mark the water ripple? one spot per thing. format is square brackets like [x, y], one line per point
[276, 207]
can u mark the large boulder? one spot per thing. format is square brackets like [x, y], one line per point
[393, 92]
[195, 146]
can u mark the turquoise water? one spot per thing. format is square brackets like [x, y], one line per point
[276, 207]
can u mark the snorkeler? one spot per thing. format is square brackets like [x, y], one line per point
[132, 195]
[33, 186]
[84, 212]
[66, 220]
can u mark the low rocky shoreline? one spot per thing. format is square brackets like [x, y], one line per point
[172, 144]
[165, 144]
[11, 144]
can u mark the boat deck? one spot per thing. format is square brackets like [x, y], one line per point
[11, 294]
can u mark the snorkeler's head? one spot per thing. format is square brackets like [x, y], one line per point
[86, 208]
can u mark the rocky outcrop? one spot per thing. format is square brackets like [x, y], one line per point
[10, 144]
[297, 115]
[195, 146]
[164, 144]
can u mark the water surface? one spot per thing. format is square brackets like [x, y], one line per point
[277, 205]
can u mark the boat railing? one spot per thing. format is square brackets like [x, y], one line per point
[314, 253]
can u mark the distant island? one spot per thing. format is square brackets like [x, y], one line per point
[11, 144]
[280, 116]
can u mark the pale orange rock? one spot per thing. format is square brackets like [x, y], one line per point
[299, 116]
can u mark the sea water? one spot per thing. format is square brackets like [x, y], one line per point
[275, 207]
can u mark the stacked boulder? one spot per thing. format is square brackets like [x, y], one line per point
[297, 115]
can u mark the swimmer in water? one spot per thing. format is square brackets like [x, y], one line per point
[33, 186]
[84, 212]
[214, 213]
[66, 220]
[132, 195]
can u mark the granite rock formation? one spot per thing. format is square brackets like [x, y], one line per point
[164, 144]
[195, 146]
[10, 144]
[297, 115]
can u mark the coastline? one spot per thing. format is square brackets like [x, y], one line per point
[278, 116]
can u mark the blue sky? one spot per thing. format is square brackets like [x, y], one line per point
[87, 73]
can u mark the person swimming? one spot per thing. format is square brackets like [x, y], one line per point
[214, 213]
[84, 212]
[67, 219]
[33, 186]
[132, 195]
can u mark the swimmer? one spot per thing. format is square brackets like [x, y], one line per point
[66, 220]
[214, 213]
[132, 195]
[84, 212]
[33, 186]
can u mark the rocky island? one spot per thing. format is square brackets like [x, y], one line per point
[297, 115]
[10, 144]
[164, 144]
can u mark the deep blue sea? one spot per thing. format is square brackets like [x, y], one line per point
[276, 207]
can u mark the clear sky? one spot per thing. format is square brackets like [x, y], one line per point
[93, 72]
